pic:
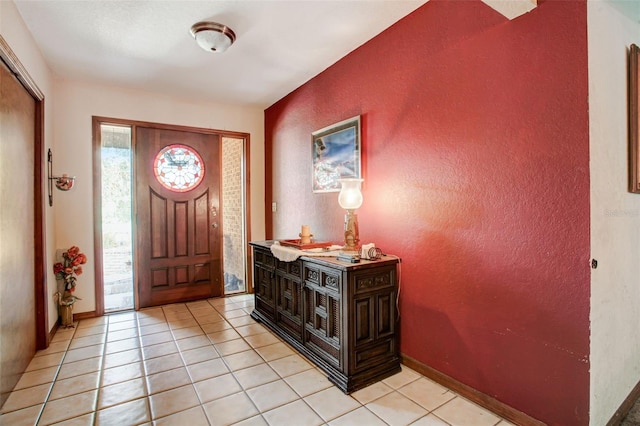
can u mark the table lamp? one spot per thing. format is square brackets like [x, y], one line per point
[350, 199]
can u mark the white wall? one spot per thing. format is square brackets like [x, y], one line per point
[77, 102]
[19, 39]
[615, 216]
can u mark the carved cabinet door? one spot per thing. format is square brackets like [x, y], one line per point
[323, 312]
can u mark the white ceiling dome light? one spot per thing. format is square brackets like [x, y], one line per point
[213, 37]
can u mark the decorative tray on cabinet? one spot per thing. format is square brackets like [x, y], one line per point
[297, 244]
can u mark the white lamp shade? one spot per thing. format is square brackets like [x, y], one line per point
[350, 197]
[213, 37]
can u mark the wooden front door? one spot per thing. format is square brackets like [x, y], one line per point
[177, 216]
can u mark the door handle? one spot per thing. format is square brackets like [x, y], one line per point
[214, 224]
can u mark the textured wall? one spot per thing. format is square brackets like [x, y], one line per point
[476, 166]
[615, 215]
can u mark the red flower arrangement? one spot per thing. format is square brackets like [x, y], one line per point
[69, 269]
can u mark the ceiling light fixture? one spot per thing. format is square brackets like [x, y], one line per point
[213, 37]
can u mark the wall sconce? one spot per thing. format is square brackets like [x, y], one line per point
[350, 199]
[63, 183]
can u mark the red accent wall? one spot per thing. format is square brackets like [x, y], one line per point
[476, 166]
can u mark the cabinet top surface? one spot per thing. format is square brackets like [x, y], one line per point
[364, 263]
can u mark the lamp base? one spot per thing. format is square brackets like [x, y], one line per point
[351, 237]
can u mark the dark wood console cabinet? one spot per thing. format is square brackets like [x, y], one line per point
[341, 316]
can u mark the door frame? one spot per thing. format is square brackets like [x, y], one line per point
[43, 337]
[97, 121]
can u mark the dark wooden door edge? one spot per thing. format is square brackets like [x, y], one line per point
[625, 407]
[42, 307]
[490, 403]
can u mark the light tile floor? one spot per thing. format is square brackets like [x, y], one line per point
[209, 363]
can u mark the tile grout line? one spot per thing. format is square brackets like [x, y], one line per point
[283, 378]
[184, 362]
[180, 352]
[194, 314]
[55, 377]
[280, 377]
[101, 372]
[103, 368]
[231, 371]
[144, 365]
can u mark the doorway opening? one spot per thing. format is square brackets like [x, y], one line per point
[117, 236]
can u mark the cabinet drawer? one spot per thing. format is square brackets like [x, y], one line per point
[291, 325]
[289, 268]
[328, 279]
[375, 280]
[264, 258]
[375, 354]
[265, 306]
[322, 347]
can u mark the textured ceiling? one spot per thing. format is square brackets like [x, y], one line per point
[147, 45]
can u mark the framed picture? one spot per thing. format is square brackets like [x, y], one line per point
[335, 155]
[634, 119]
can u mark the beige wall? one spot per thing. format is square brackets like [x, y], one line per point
[615, 216]
[79, 101]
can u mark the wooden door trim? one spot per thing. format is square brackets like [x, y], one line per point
[21, 73]
[97, 215]
[40, 285]
[97, 188]
[164, 126]
[247, 196]
[42, 307]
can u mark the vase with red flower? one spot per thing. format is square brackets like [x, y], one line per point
[67, 272]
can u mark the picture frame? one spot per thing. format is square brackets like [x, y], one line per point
[335, 155]
[634, 119]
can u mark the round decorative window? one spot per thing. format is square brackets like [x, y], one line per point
[178, 167]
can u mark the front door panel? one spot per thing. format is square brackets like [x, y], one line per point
[177, 216]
